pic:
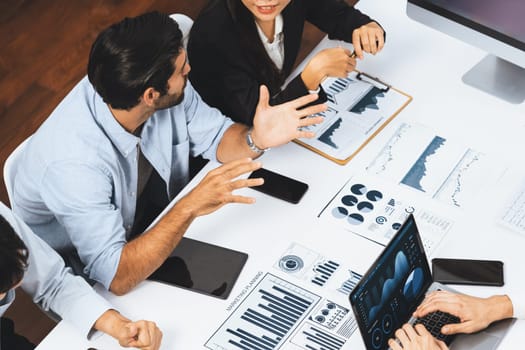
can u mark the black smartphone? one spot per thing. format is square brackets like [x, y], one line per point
[466, 271]
[279, 186]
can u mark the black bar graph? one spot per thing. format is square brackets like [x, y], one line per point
[336, 87]
[323, 271]
[315, 338]
[266, 318]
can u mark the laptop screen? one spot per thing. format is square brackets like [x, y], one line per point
[395, 284]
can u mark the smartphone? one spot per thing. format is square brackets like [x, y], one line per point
[279, 186]
[465, 271]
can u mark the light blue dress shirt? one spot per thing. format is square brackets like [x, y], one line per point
[51, 284]
[77, 178]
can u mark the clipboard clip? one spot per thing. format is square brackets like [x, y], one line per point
[374, 81]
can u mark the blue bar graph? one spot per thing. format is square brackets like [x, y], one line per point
[266, 317]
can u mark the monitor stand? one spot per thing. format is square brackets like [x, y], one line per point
[499, 78]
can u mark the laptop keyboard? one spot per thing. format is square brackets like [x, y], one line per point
[434, 321]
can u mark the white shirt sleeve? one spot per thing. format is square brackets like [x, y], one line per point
[52, 285]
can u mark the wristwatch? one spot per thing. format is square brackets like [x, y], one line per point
[252, 145]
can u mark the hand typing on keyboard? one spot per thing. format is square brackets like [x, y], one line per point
[415, 338]
[435, 321]
[474, 313]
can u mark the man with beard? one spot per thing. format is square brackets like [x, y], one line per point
[115, 152]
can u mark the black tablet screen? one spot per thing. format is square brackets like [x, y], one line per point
[201, 267]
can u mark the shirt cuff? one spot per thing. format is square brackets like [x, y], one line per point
[316, 91]
[85, 314]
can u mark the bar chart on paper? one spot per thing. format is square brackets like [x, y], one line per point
[266, 318]
[357, 110]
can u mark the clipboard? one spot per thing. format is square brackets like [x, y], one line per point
[359, 107]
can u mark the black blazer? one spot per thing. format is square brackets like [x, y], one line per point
[221, 70]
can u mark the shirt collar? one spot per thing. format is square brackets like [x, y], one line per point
[124, 141]
[278, 30]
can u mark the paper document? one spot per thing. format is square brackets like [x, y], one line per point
[513, 216]
[448, 171]
[375, 209]
[358, 108]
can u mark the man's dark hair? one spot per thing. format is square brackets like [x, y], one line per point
[133, 55]
[13, 257]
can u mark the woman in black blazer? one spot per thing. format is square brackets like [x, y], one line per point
[230, 61]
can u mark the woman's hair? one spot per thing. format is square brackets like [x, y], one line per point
[133, 55]
[13, 257]
[251, 44]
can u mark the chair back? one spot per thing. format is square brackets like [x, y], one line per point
[185, 24]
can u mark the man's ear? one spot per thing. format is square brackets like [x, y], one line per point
[149, 96]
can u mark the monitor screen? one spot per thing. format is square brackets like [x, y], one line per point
[395, 284]
[502, 19]
[497, 27]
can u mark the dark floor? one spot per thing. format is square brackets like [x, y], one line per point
[44, 47]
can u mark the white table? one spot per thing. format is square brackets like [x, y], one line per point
[420, 61]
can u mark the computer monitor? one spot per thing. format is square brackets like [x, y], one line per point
[497, 27]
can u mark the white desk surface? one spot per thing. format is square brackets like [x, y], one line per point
[423, 63]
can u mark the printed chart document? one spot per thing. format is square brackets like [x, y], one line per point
[359, 106]
[301, 304]
[375, 209]
[447, 170]
[513, 215]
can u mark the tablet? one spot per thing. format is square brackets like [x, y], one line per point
[201, 267]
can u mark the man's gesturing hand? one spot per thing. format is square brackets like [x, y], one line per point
[277, 125]
[216, 189]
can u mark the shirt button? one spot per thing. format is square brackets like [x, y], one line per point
[132, 194]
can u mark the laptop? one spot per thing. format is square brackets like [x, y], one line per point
[396, 284]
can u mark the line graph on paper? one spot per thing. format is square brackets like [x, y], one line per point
[391, 160]
[422, 167]
[466, 177]
[444, 169]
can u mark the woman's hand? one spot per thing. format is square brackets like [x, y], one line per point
[368, 38]
[334, 62]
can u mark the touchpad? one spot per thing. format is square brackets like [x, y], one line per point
[478, 341]
[485, 340]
